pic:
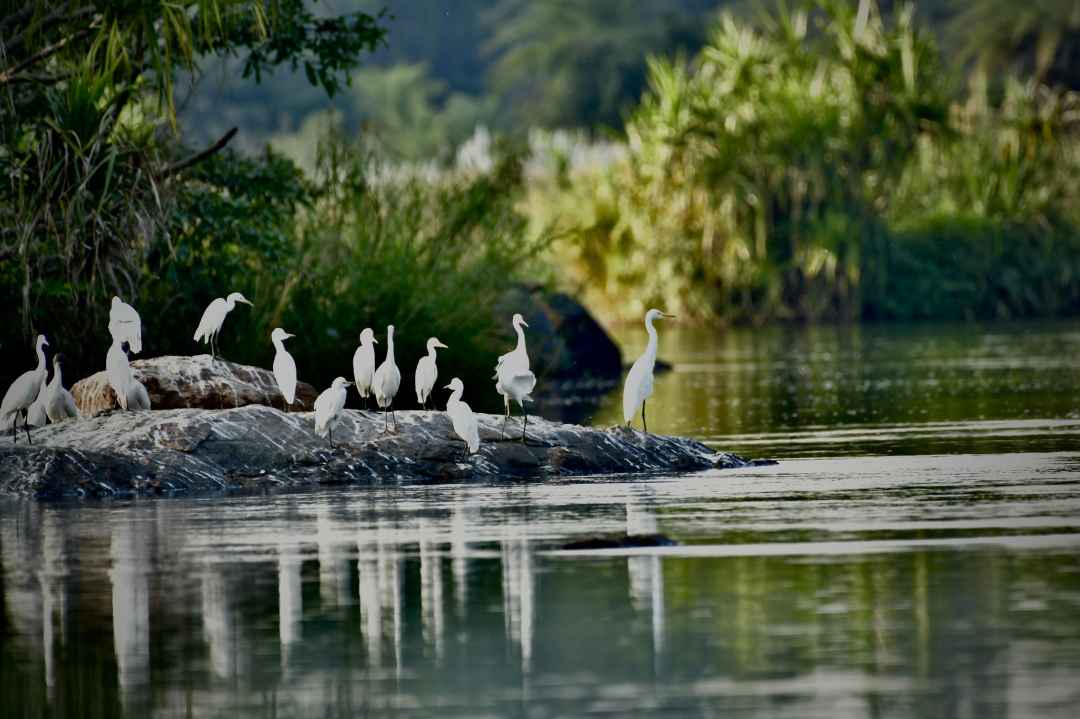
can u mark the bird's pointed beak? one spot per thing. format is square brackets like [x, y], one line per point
[524, 323]
[374, 341]
[289, 336]
[442, 345]
[246, 302]
[668, 317]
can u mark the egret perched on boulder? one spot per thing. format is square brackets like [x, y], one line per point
[23, 391]
[138, 397]
[214, 316]
[59, 404]
[124, 322]
[513, 379]
[427, 372]
[363, 363]
[284, 366]
[35, 413]
[639, 382]
[462, 417]
[118, 371]
[387, 380]
[327, 407]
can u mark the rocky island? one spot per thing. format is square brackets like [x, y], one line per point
[189, 444]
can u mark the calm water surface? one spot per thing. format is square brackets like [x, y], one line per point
[916, 553]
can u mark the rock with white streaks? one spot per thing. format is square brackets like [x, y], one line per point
[175, 382]
[258, 447]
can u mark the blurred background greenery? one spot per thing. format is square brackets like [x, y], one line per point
[732, 161]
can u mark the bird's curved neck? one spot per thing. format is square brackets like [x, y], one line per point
[650, 350]
[455, 396]
[431, 352]
[521, 338]
[40, 357]
[57, 376]
[279, 345]
[390, 347]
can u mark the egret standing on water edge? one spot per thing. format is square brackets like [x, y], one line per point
[462, 417]
[23, 391]
[284, 366]
[513, 378]
[363, 364]
[639, 382]
[214, 316]
[124, 322]
[427, 372]
[387, 380]
[327, 406]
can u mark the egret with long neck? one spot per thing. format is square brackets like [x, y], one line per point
[513, 378]
[387, 380]
[639, 382]
[214, 317]
[284, 366]
[427, 372]
[23, 391]
[462, 417]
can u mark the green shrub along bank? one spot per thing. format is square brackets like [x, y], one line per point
[817, 167]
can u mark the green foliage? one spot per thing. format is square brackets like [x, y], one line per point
[791, 168]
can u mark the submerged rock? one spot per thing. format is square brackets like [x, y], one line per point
[175, 382]
[258, 447]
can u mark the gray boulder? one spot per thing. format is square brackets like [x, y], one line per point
[175, 382]
[257, 448]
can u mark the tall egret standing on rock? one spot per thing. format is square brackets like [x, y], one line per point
[427, 372]
[284, 366]
[363, 363]
[35, 413]
[59, 404]
[23, 391]
[118, 371]
[639, 382]
[462, 417]
[214, 316]
[124, 322]
[513, 379]
[387, 380]
[328, 405]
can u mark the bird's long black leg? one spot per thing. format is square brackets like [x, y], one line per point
[394, 416]
[506, 418]
[523, 426]
[26, 426]
[643, 424]
[15, 428]
[330, 430]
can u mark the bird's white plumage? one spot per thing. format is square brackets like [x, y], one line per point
[387, 377]
[329, 404]
[24, 390]
[118, 372]
[124, 322]
[639, 382]
[427, 372]
[138, 397]
[513, 378]
[35, 413]
[462, 417]
[363, 362]
[214, 316]
[284, 366]
[59, 404]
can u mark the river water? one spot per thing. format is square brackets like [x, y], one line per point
[916, 553]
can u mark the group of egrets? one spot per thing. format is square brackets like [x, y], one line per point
[37, 398]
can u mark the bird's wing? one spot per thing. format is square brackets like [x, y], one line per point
[69, 405]
[209, 319]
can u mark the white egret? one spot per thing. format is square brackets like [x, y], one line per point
[639, 382]
[214, 316]
[118, 371]
[513, 379]
[59, 404]
[427, 372]
[138, 397]
[124, 322]
[284, 366]
[328, 405]
[35, 413]
[462, 417]
[23, 391]
[387, 379]
[363, 363]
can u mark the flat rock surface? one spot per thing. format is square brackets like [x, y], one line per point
[257, 447]
[175, 382]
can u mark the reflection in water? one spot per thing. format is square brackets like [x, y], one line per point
[290, 599]
[130, 555]
[647, 576]
[431, 588]
[518, 586]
